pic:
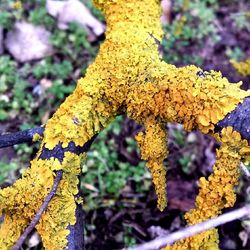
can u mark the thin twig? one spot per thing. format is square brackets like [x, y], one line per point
[10, 139]
[38, 215]
[195, 229]
[245, 170]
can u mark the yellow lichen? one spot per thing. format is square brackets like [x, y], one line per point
[128, 76]
[154, 151]
[207, 240]
[20, 202]
[36, 137]
[17, 5]
[247, 14]
[217, 192]
[242, 67]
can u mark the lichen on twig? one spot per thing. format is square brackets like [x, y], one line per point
[39, 213]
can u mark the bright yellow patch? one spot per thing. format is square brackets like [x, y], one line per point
[21, 202]
[18, 5]
[36, 137]
[242, 67]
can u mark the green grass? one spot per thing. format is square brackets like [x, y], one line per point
[105, 174]
[193, 22]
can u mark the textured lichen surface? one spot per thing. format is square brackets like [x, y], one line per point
[128, 76]
[242, 67]
[216, 192]
[20, 202]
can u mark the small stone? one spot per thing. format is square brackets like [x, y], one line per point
[34, 240]
[191, 138]
[27, 42]
[166, 11]
[46, 83]
[74, 11]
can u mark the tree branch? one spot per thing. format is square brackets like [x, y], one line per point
[195, 229]
[76, 236]
[38, 215]
[239, 119]
[10, 139]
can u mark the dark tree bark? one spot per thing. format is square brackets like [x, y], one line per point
[239, 119]
[10, 139]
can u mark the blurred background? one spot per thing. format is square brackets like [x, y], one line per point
[45, 46]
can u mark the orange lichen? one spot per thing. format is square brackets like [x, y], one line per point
[128, 76]
[242, 67]
[179, 95]
[154, 151]
[207, 240]
[217, 192]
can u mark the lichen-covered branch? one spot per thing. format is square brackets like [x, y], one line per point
[129, 77]
[76, 236]
[216, 192]
[20, 202]
[39, 213]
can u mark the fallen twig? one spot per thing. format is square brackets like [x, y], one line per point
[160, 242]
[245, 170]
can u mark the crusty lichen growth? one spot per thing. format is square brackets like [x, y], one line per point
[128, 76]
[154, 151]
[242, 67]
[36, 137]
[20, 202]
[217, 192]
